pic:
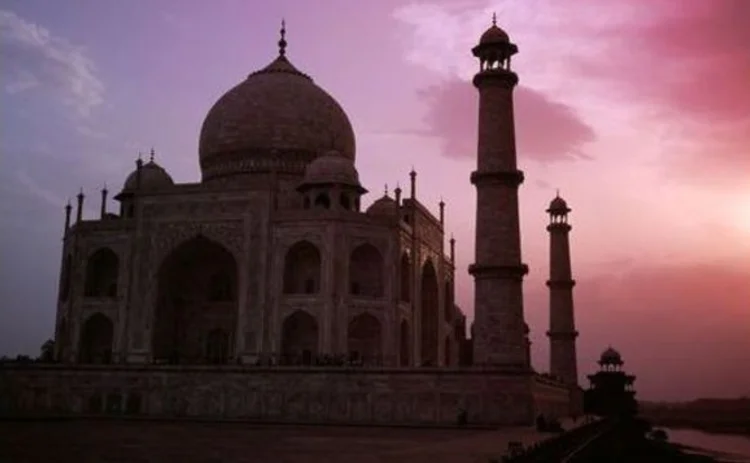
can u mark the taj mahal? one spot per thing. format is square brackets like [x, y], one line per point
[266, 292]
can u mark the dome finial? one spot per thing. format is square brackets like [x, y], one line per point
[151, 155]
[557, 193]
[282, 41]
[494, 19]
[386, 189]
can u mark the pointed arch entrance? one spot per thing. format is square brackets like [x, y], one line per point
[447, 352]
[366, 272]
[364, 340]
[97, 335]
[404, 349]
[102, 270]
[299, 339]
[302, 269]
[405, 277]
[196, 312]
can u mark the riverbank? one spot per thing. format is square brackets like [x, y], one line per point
[722, 447]
[627, 443]
[712, 427]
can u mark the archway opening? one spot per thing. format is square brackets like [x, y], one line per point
[364, 340]
[366, 272]
[405, 278]
[429, 315]
[299, 339]
[345, 202]
[217, 346]
[323, 201]
[97, 335]
[302, 269]
[448, 298]
[197, 300]
[101, 274]
[404, 344]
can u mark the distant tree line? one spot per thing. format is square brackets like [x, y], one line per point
[46, 355]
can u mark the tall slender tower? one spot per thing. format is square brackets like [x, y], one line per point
[498, 272]
[562, 332]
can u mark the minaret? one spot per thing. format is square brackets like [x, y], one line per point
[79, 209]
[498, 271]
[103, 208]
[562, 332]
[441, 206]
[413, 181]
[68, 208]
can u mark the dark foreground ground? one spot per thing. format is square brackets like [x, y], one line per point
[145, 441]
[105, 441]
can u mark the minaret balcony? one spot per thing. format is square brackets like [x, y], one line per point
[562, 335]
[490, 271]
[495, 77]
[562, 284]
[508, 178]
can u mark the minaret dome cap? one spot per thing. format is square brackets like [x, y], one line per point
[558, 206]
[494, 44]
[610, 357]
[494, 35]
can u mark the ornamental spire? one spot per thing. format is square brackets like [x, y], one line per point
[282, 40]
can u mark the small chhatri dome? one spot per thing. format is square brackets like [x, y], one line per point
[332, 168]
[558, 206]
[277, 119]
[384, 206]
[153, 177]
[494, 49]
[610, 357]
[494, 35]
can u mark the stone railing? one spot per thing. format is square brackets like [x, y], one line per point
[556, 449]
[284, 360]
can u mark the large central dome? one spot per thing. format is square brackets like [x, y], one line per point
[276, 120]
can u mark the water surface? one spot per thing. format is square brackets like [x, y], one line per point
[726, 447]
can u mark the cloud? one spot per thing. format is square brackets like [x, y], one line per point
[677, 75]
[689, 71]
[682, 329]
[693, 62]
[90, 132]
[546, 130]
[22, 81]
[36, 190]
[45, 60]
[439, 37]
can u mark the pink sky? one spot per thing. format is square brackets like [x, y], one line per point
[638, 111]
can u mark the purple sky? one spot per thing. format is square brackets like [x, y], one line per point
[639, 111]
